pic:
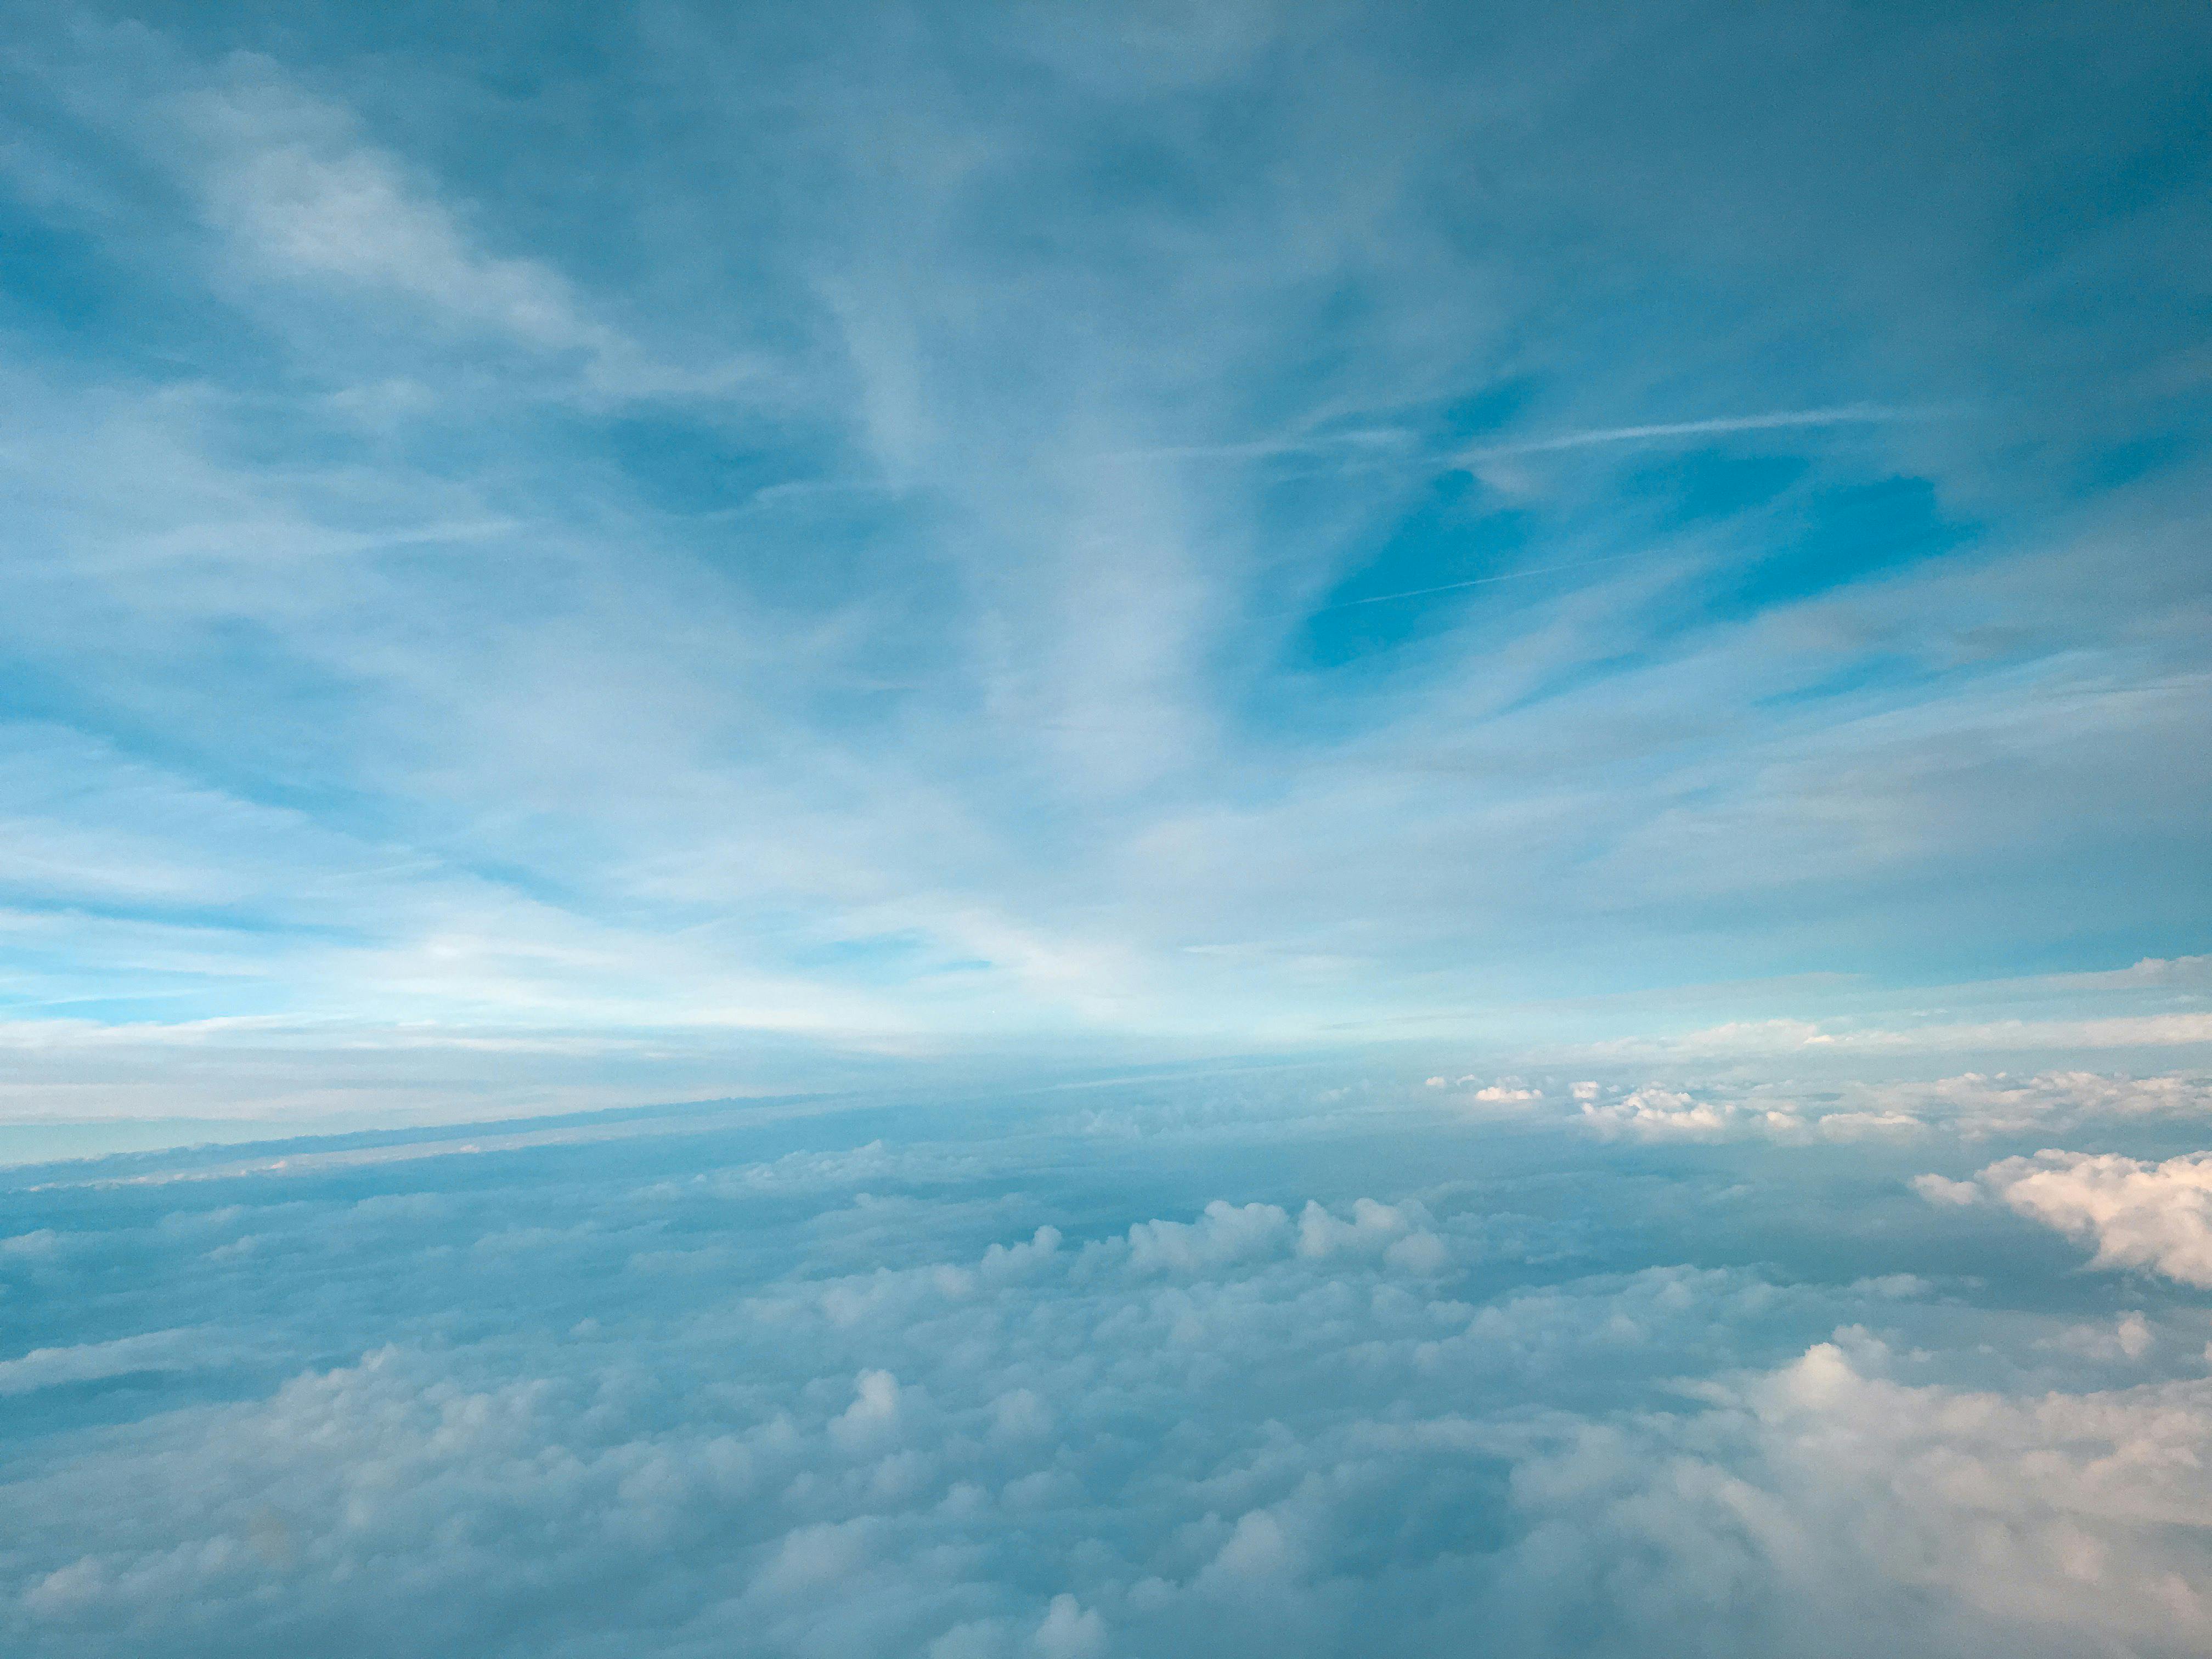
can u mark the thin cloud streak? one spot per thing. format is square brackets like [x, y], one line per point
[1481, 581]
[1847, 415]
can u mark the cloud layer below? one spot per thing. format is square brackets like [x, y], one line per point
[1224, 1367]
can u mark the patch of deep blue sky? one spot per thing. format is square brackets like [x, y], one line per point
[981, 311]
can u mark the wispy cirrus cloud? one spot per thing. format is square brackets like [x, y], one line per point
[803, 573]
[1719, 426]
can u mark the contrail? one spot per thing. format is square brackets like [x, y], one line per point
[1478, 581]
[1844, 415]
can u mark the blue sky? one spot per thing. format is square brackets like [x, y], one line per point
[580, 559]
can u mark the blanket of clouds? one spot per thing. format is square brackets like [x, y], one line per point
[1265, 1363]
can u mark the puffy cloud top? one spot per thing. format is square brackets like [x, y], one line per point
[2138, 1214]
[985, 1384]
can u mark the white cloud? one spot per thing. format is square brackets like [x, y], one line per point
[1942, 1189]
[1070, 1631]
[1656, 1114]
[1852, 415]
[2129, 1337]
[1978, 1104]
[151, 1351]
[1969, 1106]
[1778, 1037]
[1225, 1235]
[298, 188]
[1951, 1520]
[2138, 1213]
[873, 1417]
[1373, 1229]
[303, 194]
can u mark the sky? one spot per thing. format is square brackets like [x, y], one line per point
[574, 558]
[1058, 831]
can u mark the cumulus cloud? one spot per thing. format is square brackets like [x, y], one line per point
[1981, 1105]
[2138, 1214]
[1840, 1501]
[1400, 1234]
[1225, 1234]
[809, 1384]
[1656, 1114]
[1970, 1105]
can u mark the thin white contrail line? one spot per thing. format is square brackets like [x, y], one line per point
[1841, 415]
[1844, 415]
[1478, 581]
